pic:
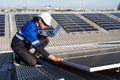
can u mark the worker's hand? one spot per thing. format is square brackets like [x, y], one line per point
[54, 58]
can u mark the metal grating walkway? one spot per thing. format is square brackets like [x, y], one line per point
[31, 73]
[59, 73]
[46, 72]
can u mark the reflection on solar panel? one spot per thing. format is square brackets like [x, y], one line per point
[104, 21]
[21, 19]
[73, 23]
[116, 14]
[2, 25]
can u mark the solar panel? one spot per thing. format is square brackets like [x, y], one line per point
[2, 24]
[73, 23]
[95, 62]
[21, 19]
[116, 14]
[104, 21]
[7, 67]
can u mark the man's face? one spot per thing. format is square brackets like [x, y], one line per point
[42, 24]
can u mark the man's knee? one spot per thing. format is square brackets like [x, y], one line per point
[27, 57]
[33, 62]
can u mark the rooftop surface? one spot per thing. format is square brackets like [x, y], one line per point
[88, 43]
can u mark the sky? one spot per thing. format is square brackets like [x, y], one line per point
[67, 4]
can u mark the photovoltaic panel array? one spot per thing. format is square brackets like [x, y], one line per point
[73, 23]
[2, 24]
[116, 14]
[21, 19]
[104, 21]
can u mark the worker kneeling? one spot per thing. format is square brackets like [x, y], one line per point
[27, 36]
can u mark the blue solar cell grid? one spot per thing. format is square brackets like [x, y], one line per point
[21, 19]
[2, 24]
[104, 21]
[73, 23]
[116, 14]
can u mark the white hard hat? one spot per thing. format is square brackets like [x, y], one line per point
[46, 17]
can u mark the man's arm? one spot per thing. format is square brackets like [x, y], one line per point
[47, 55]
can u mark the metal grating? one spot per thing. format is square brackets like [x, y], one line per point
[31, 73]
[59, 73]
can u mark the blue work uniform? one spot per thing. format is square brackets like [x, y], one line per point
[29, 33]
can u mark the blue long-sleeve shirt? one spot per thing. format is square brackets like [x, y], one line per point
[29, 32]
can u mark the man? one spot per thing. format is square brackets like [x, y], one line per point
[27, 35]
